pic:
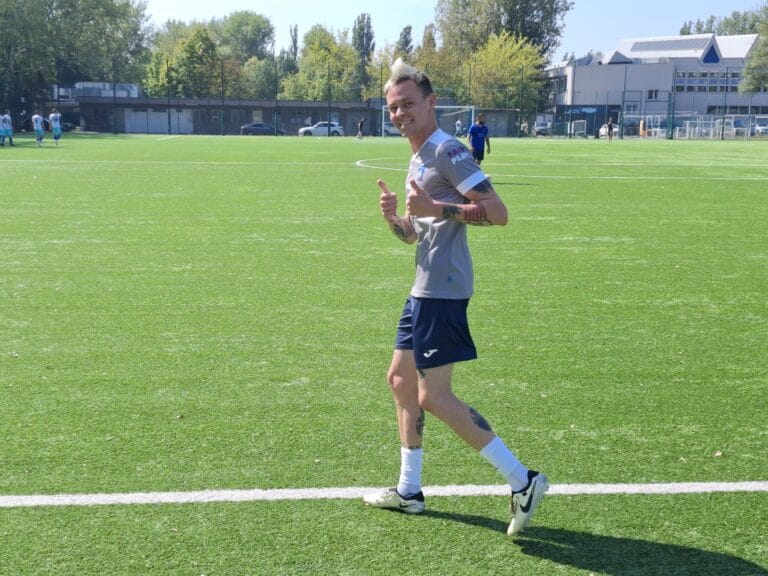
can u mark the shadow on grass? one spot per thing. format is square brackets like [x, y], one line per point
[630, 557]
[612, 555]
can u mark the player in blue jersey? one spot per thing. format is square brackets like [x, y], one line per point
[6, 128]
[55, 120]
[445, 191]
[478, 139]
[38, 126]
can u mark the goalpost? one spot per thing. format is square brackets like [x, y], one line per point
[447, 118]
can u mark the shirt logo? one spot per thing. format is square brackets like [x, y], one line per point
[429, 353]
[458, 154]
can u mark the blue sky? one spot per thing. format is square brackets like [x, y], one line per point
[590, 25]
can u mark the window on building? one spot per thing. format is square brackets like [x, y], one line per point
[653, 94]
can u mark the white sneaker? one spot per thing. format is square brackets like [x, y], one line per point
[391, 499]
[524, 502]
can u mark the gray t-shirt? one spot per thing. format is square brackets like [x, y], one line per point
[445, 169]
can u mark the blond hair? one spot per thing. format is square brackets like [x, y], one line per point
[400, 72]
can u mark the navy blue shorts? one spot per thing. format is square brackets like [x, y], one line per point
[436, 330]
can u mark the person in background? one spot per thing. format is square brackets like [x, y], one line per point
[6, 128]
[360, 126]
[478, 138]
[39, 127]
[55, 120]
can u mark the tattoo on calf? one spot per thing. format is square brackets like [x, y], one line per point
[420, 423]
[479, 421]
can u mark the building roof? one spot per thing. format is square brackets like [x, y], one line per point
[707, 48]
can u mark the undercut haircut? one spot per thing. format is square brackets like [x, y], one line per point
[402, 72]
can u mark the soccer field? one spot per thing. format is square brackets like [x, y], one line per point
[194, 335]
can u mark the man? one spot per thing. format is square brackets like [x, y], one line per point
[360, 126]
[458, 129]
[478, 139]
[38, 126]
[609, 129]
[55, 120]
[446, 190]
[6, 128]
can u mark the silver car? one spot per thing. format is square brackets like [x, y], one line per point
[322, 129]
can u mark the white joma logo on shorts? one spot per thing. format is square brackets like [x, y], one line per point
[428, 354]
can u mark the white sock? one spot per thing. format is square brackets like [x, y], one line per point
[497, 453]
[410, 471]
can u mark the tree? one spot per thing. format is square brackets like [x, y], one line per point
[737, 23]
[404, 46]
[756, 70]
[465, 25]
[506, 73]
[52, 41]
[196, 69]
[259, 79]
[246, 34]
[363, 44]
[326, 69]
[538, 21]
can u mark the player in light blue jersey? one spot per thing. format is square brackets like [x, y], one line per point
[55, 119]
[6, 128]
[446, 190]
[38, 126]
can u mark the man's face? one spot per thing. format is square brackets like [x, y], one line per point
[410, 110]
[481, 120]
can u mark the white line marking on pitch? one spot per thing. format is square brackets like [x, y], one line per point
[206, 496]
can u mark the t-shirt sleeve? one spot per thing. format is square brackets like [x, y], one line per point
[458, 167]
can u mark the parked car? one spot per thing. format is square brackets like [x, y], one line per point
[391, 130]
[541, 129]
[604, 130]
[260, 129]
[761, 129]
[322, 129]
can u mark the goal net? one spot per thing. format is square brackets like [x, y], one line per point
[455, 120]
[579, 129]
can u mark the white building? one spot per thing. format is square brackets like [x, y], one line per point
[661, 82]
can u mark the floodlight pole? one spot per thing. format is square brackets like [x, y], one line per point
[221, 116]
[168, 90]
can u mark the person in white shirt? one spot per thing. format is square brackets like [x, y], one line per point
[6, 128]
[38, 126]
[55, 120]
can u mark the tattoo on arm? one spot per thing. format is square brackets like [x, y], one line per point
[484, 187]
[479, 421]
[473, 214]
[403, 229]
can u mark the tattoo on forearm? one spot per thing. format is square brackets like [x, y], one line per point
[451, 212]
[472, 214]
[402, 229]
[479, 421]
